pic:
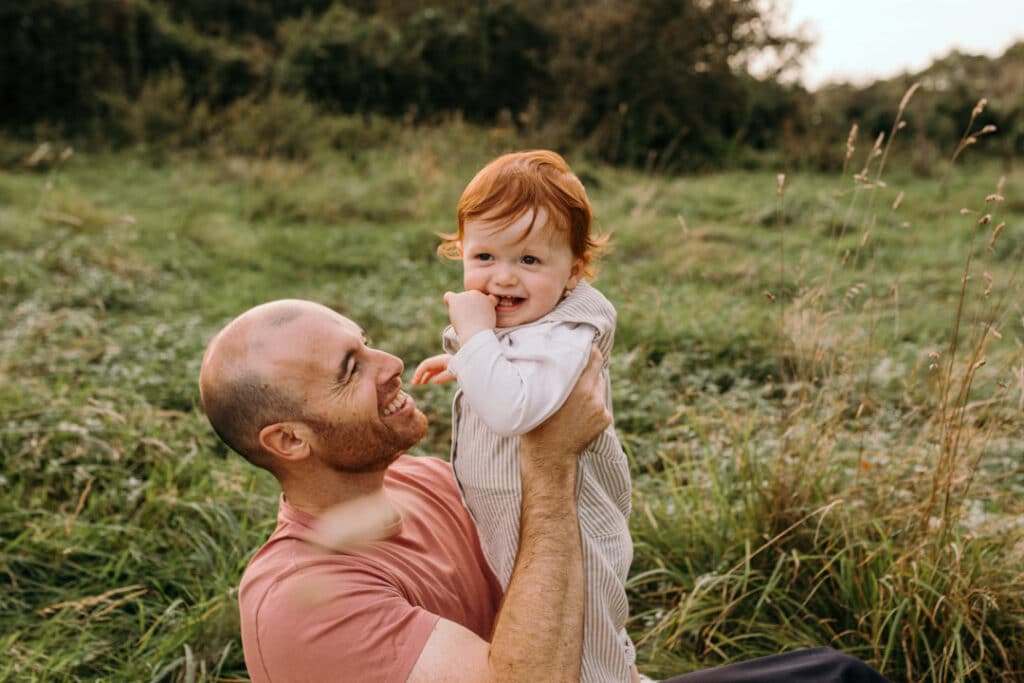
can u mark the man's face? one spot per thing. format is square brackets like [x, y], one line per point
[351, 393]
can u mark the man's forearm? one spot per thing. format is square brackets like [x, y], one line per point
[538, 636]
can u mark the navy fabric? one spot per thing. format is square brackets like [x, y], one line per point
[817, 665]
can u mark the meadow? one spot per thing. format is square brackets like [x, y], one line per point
[819, 380]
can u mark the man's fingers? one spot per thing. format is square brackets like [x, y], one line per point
[592, 382]
[592, 371]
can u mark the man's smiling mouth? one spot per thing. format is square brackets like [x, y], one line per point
[397, 403]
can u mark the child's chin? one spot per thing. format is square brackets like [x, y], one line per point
[508, 321]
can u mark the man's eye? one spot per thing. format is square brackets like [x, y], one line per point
[531, 260]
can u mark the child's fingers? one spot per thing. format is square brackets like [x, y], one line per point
[427, 371]
[443, 377]
[423, 373]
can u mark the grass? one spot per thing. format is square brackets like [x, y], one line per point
[819, 457]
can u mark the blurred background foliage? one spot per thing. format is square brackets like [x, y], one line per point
[674, 85]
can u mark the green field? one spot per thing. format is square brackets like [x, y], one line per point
[824, 415]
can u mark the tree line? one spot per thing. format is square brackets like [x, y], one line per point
[662, 83]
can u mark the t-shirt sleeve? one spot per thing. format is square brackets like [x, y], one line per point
[314, 627]
[516, 383]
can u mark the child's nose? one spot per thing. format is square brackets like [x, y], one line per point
[506, 275]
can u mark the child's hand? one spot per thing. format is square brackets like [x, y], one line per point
[433, 370]
[471, 312]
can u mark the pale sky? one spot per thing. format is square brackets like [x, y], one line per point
[862, 40]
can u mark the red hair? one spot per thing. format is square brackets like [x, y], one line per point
[513, 184]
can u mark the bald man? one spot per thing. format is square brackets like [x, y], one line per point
[374, 572]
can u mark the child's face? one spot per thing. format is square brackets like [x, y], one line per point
[528, 274]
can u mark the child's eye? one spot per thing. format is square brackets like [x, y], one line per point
[484, 257]
[530, 260]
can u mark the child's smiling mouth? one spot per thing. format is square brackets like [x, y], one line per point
[509, 301]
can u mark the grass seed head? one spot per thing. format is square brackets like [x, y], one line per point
[906, 98]
[978, 108]
[995, 235]
[851, 140]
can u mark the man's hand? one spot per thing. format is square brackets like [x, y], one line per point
[433, 370]
[471, 312]
[563, 436]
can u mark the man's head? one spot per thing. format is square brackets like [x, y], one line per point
[293, 384]
[534, 184]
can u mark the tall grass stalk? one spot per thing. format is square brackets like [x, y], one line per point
[800, 540]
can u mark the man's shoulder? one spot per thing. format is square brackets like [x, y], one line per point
[310, 611]
[407, 462]
[418, 470]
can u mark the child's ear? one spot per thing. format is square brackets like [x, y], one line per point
[575, 274]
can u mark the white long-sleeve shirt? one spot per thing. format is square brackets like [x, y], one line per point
[529, 372]
[511, 380]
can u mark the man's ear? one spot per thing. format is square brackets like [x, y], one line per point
[287, 441]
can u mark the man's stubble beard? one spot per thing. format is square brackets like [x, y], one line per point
[362, 448]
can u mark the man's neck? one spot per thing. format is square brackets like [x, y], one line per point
[315, 493]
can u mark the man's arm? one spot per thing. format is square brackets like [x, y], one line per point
[538, 635]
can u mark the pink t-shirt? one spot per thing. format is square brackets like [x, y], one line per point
[311, 615]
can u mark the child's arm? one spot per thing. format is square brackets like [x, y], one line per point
[470, 312]
[513, 388]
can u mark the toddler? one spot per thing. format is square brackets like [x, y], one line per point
[520, 335]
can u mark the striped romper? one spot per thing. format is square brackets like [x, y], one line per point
[511, 380]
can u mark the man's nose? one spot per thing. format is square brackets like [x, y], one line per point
[388, 366]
